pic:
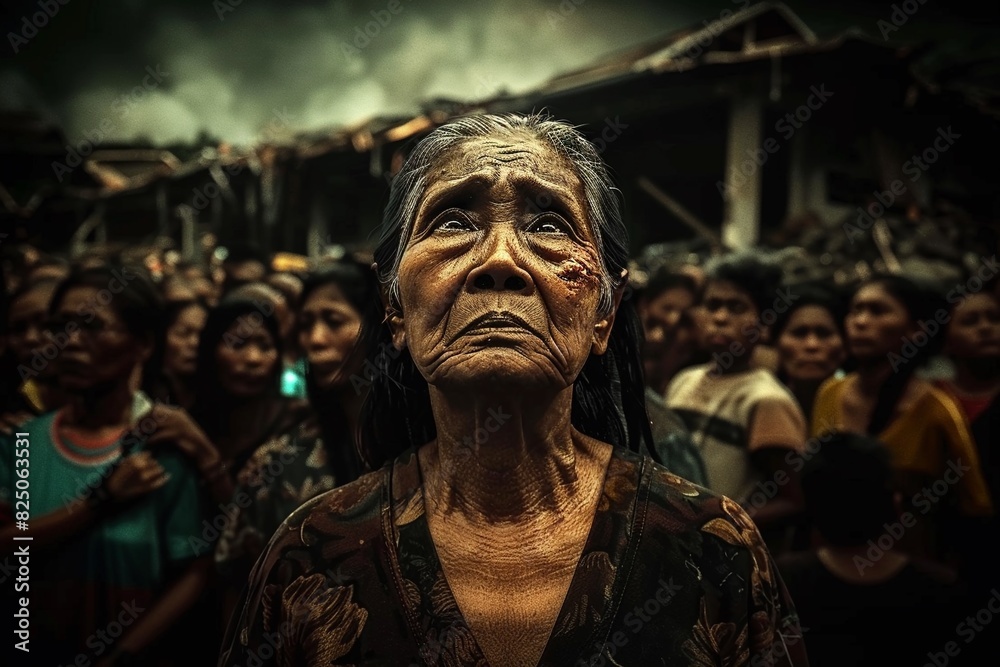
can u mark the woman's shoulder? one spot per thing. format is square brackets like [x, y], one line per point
[353, 508]
[935, 403]
[678, 506]
[834, 385]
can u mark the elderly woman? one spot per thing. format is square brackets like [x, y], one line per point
[514, 521]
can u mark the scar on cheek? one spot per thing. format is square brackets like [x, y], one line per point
[573, 271]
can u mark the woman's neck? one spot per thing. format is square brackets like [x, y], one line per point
[504, 460]
[805, 392]
[975, 378]
[183, 388]
[105, 407]
[871, 376]
[245, 423]
[852, 564]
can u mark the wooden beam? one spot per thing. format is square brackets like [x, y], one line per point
[681, 213]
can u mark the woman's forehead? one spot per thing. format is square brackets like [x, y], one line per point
[511, 152]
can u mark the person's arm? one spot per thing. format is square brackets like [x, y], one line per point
[169, 607]
[963, 463]
[824, 411]
[773, 634]
[178, 511]
[176, 428]
[777, 427]
[135, 476]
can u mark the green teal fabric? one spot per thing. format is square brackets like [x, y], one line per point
[120, 565]
[293, 380]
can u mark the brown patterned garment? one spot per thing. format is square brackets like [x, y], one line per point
[671, 575]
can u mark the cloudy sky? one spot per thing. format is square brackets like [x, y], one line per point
[176, 70]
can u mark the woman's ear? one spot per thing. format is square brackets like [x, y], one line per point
[394, 319]
[393, 315]
[602, 329]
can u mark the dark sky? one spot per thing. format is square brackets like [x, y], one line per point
[244, 71]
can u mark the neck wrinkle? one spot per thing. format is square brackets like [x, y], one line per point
[501, 462]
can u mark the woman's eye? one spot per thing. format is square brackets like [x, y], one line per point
[454, 224]
[549, 226]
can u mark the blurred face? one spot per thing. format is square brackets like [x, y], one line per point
[876, 323]
[247, 359]
[810, 347]
[181, 355]
[26, 323]
[50, 272]
[205, 289]
[241, 273]
[974, 329]
[726, 316]
[662, 314]
[97, 349]
[176, 290]
[328, 329]
[494, 286]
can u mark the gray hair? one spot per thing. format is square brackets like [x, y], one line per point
[411, 182]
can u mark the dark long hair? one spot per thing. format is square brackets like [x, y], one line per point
[356, 282]
[608, 395]
[921, 302]
[213, 402]
[138, 304]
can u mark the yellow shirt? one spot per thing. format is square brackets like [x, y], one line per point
[930, 446]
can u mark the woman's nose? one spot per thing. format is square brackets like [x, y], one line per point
[500, 270]
[317, 337]
[253, 355]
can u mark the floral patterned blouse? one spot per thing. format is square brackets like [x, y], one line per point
[282, 473]
[671, 574]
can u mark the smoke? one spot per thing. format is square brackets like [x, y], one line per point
[228, 70]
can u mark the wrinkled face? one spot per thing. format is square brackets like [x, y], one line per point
[247, 358]
[181, 355]
[974, 329]
[876, 323]
[328, 330]
[810, 347]
[96, 348]
[726, 315]
[500, 277]
[26, 321]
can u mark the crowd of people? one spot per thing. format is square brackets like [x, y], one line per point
[173, 421]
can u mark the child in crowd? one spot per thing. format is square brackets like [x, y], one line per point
[743, 421]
